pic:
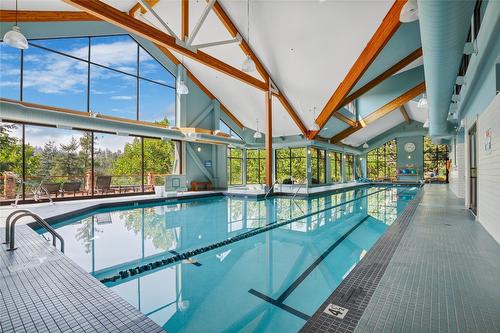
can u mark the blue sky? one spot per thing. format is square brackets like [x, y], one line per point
[58, 80]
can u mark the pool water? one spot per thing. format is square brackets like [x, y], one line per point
[272, 281]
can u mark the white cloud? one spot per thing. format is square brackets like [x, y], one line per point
[55, 74]
[122, 97]
[9, 84]
[114, 54]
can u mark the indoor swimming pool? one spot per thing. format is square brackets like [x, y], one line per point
[230, 264]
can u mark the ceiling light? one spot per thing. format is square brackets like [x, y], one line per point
[409, 13]
[257, 134]
[365, 145]
[427, 123]
[15, 38]
[315, 126]
[422, 102]
[248, 65]
[182, 89]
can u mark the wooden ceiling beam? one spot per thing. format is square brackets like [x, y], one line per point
[345, 133]
[131, 24]
[382, 77]
[404, 113]
[295, 117]
[382, 111]
[345, 119]
[382, 35]
[45, 16]
[233, 31]
[143, 10]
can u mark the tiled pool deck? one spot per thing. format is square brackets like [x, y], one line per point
[444, 275]
[436, 269]
[41, 290]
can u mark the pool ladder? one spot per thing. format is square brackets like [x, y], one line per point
[10, 231]
[271, 189]
[295, 194]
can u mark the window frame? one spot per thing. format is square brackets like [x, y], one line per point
[316, 159]
[336, 165]
[439, 155]
[230, 158]
[261, 162]
[290, 158]
[33, 43]
[382, 158]
[349, 167]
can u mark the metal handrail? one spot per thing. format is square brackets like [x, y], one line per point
[296, 192]
[270, 189]
[16, 216]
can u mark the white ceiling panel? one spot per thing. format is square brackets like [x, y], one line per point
[308, 46]
[415, 112]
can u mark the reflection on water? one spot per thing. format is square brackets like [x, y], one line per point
[214, 297]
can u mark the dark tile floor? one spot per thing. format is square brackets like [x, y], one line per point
[41, 290]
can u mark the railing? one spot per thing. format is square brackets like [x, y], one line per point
[296, 192]
[270, 189]
[10, 231]
[13, 187]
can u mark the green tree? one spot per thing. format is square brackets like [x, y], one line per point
[11, 151]
[47, 158]
[85, 153]
[67, 162]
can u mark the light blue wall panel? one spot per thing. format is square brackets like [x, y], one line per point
[389, 90]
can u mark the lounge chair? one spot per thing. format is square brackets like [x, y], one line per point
[71, 187]
[51, 188]
[103, 185]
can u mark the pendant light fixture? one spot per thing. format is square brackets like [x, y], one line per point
[365, 145]
[427, 123]
[409, 12]
[248, 65]
[182, 88]
[315, 126]
[422, 102]
[257, 134]
[15, 38]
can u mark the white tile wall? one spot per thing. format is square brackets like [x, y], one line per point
[457, 174]
[489, 170]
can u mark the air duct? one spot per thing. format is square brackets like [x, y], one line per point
[443, 28]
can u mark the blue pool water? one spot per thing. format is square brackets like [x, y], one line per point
[225, 289]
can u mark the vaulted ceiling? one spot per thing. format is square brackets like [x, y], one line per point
[308, 49]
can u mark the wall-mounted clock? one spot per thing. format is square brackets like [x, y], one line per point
[410, 147]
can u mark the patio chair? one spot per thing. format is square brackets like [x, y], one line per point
[103, 185]
[51, 188]
[71, 187]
